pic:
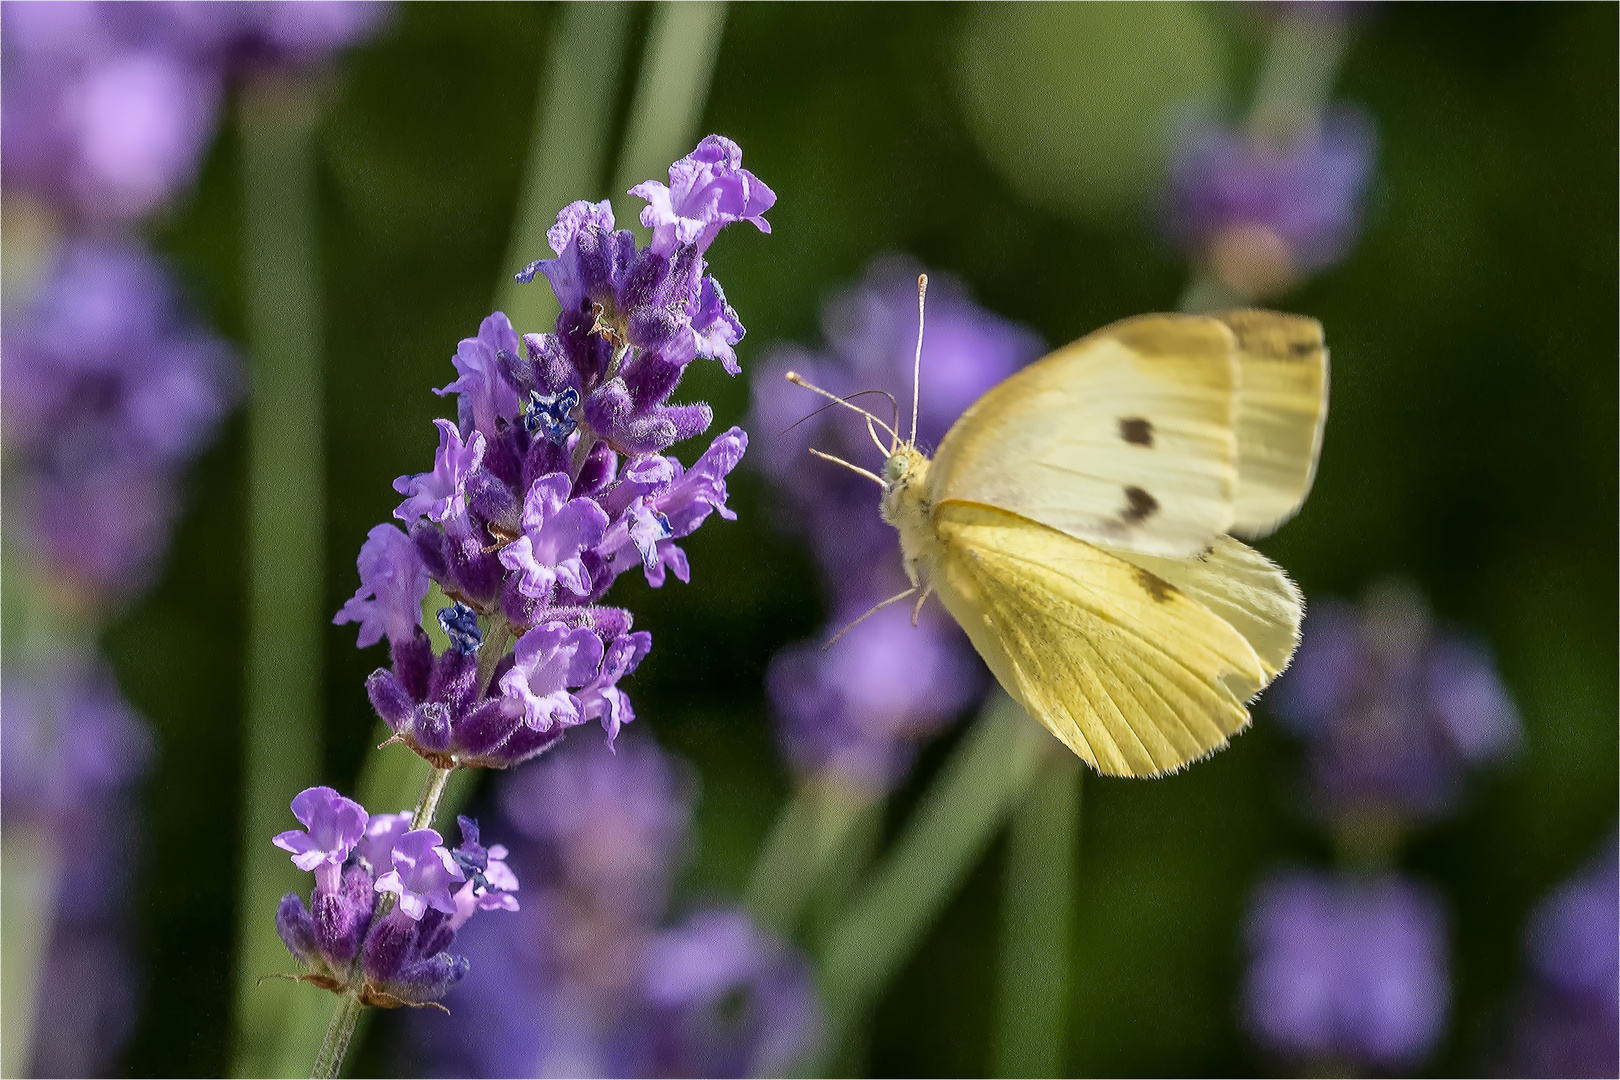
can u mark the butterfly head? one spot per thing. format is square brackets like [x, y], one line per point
[904, 466]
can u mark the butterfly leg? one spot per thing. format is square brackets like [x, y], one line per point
[921, 600]
[873, 611]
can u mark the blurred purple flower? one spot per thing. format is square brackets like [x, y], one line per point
[726, 1000]
[861, 706]
[600, 836]
[1346, 970]
[72, 752]
[1569, 1015]
[1393, 712]
[1262, 214]
[69, 741]
[108, 108]
[109, 390]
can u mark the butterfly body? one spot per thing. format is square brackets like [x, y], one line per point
[1076, 523]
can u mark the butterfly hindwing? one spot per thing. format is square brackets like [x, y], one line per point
[1243, 588]
[1282, 411]
[1126, 669]
[1126, 437]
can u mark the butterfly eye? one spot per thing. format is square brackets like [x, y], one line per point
[894, 468]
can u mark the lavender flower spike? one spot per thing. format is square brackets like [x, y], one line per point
[442, 494]
[395, 579]
[556, 530]
[335, 826]
[708, 189]
[422, 873]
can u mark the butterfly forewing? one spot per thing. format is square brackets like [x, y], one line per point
[1124, 438]
[1282, 410]
[1128, 671]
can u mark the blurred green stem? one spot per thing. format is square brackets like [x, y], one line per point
[568, 148]
[29, 861]
[808, 835]
[1297, 75]
[677, 66]
[286, 527]
[941, 843]
[1030, 1031]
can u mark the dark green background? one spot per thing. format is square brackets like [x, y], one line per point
[1471, 449]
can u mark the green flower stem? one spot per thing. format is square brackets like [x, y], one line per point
[941, 843]
[1030, 1028]
[807, 837]
[568, 150]
[428, 805]
[677, 66]
[30, 861]
[338, 1034]
[286, 526]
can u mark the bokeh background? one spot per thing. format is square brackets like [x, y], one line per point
[1470, 454]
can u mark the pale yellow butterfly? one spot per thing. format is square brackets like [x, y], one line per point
[1077, 520]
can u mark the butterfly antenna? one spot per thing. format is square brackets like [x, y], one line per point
[874, 610]
[877, 442]
[799, 380]
[916, 366]
[834, 404]
[872, 476]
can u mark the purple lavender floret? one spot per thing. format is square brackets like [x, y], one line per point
[335, 825]
[1568, 1021]
[402, 958]
[860, 708]
[393, 583]
[553, 483]
[109, 390]
[1393, 711]
[422, 873]
[708, 189]
[376, 847]
[1265, 213]
[1346, 969]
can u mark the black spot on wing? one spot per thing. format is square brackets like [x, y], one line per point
[1139, 506]
[1136, 430]
[1303, 348]
[1157, 588]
